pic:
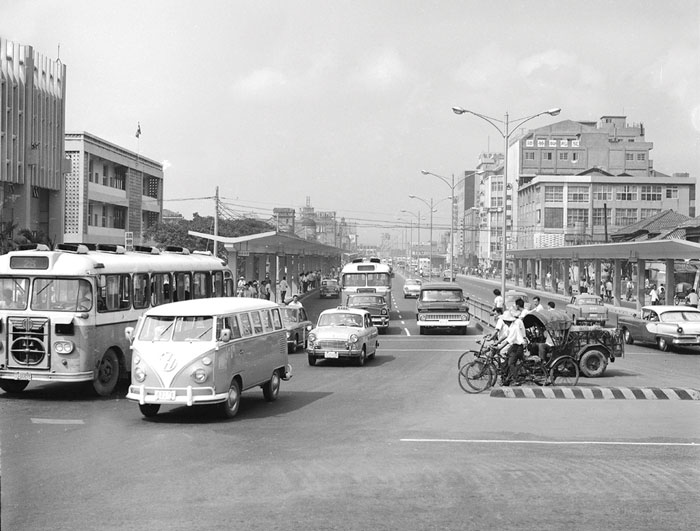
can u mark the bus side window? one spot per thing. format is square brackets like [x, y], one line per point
[141, 291]
[276, 320]
[201, 286]
[182, 290]
[217, 284]
[257, 322]
[246, 328]
[160, 288]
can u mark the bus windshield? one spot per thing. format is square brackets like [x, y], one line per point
[190, 328]
[354, 280]
[14, 293]
[62, 294]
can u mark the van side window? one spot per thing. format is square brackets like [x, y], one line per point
[267, 322]
[276, 320]
[246, 328]
[257, 322]
[233, 325]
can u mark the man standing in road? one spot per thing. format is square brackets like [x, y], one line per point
[284, 287]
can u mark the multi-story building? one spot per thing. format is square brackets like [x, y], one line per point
[111, 194]
[581, 181]
[32, 124]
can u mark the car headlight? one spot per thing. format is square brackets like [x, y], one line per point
[312, 338]
[384, 311]
[139, 374]
[63, 347]
[353, 338]
[679, 330]
[199, 375]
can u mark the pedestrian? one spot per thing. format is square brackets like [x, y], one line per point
[498, 300]
[516, 341]
[608, 289]
[654, 295]
[551, 305]
[240, 288]
[630, 289]
[295, 302]
[692, 298]
[537, 304]
[284, 288]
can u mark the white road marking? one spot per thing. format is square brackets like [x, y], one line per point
[493, 441]
[407, 332]
[57, 421]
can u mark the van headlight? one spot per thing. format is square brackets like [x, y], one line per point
[139, 374]
[199, 376]
[63, 347]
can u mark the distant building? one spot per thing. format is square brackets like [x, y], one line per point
[32, 165]
[110, 191]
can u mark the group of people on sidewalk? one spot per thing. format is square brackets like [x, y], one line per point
[265, 290]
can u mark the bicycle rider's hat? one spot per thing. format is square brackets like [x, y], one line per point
[508, 316]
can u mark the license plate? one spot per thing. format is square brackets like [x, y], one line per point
[165, 395]
[23, 376]
[332, 355]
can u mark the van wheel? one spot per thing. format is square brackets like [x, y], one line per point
[271, 389]
[107, 374]
[149, 410]
[229, 407]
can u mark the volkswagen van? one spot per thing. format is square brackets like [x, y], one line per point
[207, 351]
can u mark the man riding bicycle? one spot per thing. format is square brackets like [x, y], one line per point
[515, 340]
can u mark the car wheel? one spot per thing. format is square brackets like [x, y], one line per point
[149, 410]
[662, 344]
[229, 407]
[362, 358]
[593, 363]
[271, 389]
[312, 360]
[628, 337]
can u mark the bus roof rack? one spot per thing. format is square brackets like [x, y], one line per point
[148, 249]
[79, 248]
[111, 248]
[176, 249]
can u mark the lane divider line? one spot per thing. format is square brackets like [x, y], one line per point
[502, 441]
[57, 421]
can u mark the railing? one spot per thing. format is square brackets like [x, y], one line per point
[481, 312]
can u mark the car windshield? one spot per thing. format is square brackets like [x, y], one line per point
[330, 283]
[412, 283]
[366, 300]
[677, 316]
[340, 319]
[441, 295]
[590, 300]
[289, 315]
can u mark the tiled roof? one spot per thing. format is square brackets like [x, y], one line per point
[664, 220]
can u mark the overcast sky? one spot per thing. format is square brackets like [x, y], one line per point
[346, 101]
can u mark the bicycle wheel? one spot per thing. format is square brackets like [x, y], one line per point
[564, 372]
[465, 358]
[476, 376]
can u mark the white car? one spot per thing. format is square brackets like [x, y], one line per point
[343, 333]
[411, 288]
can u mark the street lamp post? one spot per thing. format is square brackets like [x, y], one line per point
[505, 132]
[418, 216]
[452, 185]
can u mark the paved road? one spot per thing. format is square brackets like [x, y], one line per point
[392, 445]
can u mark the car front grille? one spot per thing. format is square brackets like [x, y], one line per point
[441, 316]
[331, 344]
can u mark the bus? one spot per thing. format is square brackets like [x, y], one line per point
[63, 312]
[366, 275]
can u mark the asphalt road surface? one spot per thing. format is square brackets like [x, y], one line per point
[395, 444]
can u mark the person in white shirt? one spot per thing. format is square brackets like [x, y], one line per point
[498, 301]
[516, 342]
[536, 304]
[295, 301]
[284, 288]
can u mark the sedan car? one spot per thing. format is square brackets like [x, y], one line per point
[329, 288]
[411, 288]
[376, 305]
[666, 326]
[587, 308]
[343, 333]
[297, 323]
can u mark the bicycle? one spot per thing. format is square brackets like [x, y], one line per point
[485, 343]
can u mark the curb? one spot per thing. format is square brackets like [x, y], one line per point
[598, 393]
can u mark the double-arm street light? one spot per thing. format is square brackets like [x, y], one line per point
[452, 185]
[418, 216]
[505, 132]
[431, 205]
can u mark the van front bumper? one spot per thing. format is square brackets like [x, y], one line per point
[183, 396]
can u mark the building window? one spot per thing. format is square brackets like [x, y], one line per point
[554, 194]
[599, 215]
[626, 193]
[496, 186]
[649, 212]
[629, 156]
[574, 156]
[530, 142]
[641, 156]
[602, 192]
[529, 155]
[577, 217]
[563, 155]
[540, 142]
[625, 216]
[651, 193]
[671, 192]
[553, 218]
[547, 155]
[496, 201]
[552, 142]
[578, 194]
[564, 142]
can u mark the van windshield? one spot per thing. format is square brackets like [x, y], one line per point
[166, 328]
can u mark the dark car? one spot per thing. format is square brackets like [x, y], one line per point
[376, 305]
[297, 324]
[329, 288]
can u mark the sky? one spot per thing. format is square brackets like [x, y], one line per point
[343, 103]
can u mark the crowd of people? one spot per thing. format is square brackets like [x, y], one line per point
[264, 289]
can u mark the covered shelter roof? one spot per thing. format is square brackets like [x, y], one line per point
[272, 242]
[647, 250]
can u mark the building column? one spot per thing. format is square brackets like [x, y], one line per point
[617, 281]
[670, 281]
[641, 273]
[598, 280]
[567, 280]
[516, 271]
[581, 273]
[533, 272]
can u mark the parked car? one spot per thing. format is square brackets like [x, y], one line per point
[329, 288]
[587, 308]
[343, 333]
[376, 305]
[411, 287]
[666, 326]
[297, 324]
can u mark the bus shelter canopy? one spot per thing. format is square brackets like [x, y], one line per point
[277, 243]
[647, 250]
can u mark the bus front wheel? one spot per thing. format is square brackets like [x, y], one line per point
[13, 386]
[107, 374]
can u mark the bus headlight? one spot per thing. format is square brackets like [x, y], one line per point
[63, 347]
[289, 334]
[139, 374]
[199, 376]
[353, 338]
